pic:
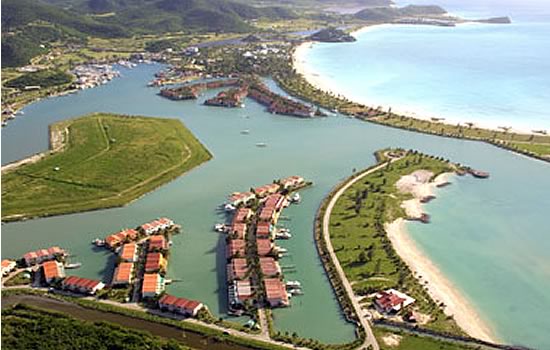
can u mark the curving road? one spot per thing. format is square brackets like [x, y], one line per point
[370, 340]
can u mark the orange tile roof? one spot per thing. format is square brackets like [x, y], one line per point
[236, 247]
[6, 263]
[154, 262]
[151, 283]
[264, 246]
[237, 268]
[157, 243]
[269, 266]
[51, 270]
[128, 251]
[123, 272]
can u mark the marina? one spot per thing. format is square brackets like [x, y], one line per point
[492, 217]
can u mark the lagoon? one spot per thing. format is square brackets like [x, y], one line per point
[479, 227]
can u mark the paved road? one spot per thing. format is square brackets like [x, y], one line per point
[370, 340]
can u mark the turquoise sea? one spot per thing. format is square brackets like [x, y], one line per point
[491, 238]
[493, 75]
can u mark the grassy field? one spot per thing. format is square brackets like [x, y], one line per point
[405, 341]
[107, 160]
[360, 242]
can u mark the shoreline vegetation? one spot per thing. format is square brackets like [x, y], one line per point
[302, 82]
[99, 161]
[367, 232]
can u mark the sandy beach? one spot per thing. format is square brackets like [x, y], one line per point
[324, 84]
[439, 287]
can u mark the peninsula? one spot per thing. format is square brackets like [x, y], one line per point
[99, 161]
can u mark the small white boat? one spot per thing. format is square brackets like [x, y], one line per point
[281, 250]
[245, 132]
[261, 144]
[293, 284]
[296, 292]
[284, 230]
[229, 207]
[220, 228]
[295, 198]
[98, 242]
[283, 235]
[73, 265]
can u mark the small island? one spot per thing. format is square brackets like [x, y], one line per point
[332, 35]
[99, 161]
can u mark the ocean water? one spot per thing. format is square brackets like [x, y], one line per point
[492, 75]
[489, 237]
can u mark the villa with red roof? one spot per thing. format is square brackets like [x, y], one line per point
[275, 292]
[236, 248]
[116, 239]
[241, 215]
[153, 285]
[123, 275]
[41, 255]
[52, 271]
[8, 266]
[181, 306]
[157, 243]
[267, 214]
[265, 246]
[82, 285]
[239, 292]
[237, 269]
[392, 301]
[239, 198]
[263, 229]
[156, 226]
[155, 262]
[128, 252]
[292, 182]
[264, 190]
[238, 230]
[276, 201]
[269, 267]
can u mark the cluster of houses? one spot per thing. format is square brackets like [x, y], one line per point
[279, 104]
[192, 91]
[91, 75]
[271, 202]
[230, 98]
[42, 255]
[115, 240]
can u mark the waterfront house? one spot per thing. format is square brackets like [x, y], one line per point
[82, 285]
[242, 215]
[121, 237]
[156, 226]
[264, 190]
[275, 201]
[153, 285]
[275, 292]
[264, 245]
[181, 306]
[239, 292]
[238, 231]
[263, 230]
[128, 252]
[236, 248]
[155, 262]
[157, 243]
[392, 301]
[41, 255]
[237, 269]
[269, 267]
[292, 182]
[8, 266]
[52, 271]
[267, 215]
[123, 275]
[239, 198]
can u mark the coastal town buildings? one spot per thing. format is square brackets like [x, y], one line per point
[269, 267]
[157, 243]
[156, 226]
[263, 230]
[239, 293]
[236, 248]
[153, 285]
[276, 294]
[237, 269]
[238, 198]
[123, 275]
[180, 306]
[41, 255]
[52, 271]
[8, 266]
[264, 246]
[82, 285]
[117, 239]
[128, 252]
[155, 262]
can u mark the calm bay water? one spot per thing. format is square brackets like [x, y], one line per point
[498, 224]
[493, 75]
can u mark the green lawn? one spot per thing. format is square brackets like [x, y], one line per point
[26, 327]
[360, 242]
[412, 342]
[107, 160]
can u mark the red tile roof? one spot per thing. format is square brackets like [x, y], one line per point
[128, 251]
[51, 270]
[264, 246]
[263, 229]
[151, 282]
[154, 262]
[269, 266]
[157, 243]
[123, 273]
[275, 290]
[237, 268]
[80, 283]
[236, 247]
[388, 300]
[266, 214]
